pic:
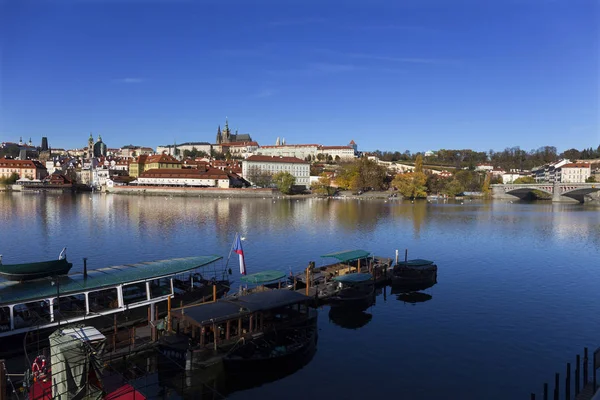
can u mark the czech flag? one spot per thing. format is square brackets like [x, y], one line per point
[237, 247]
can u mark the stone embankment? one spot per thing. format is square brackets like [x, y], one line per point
[195, 192]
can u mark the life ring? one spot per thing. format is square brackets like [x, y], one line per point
[39, 368]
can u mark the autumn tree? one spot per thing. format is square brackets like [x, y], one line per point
[322, 186]
[485, 189]
[411, 185]
[525, 179]
[284, 181]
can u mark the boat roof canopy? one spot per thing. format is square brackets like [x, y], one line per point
[229, 308]
[416, 262]
[353, 278]
[263, 277]
[12, 292]
[348, 255]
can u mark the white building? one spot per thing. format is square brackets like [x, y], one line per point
[297, 167]
[343, 152]
[300, 151]
[575, 172]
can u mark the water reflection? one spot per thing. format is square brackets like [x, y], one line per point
[352, 316]
[414, 297]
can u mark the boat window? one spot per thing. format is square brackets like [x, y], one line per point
[71, 306]
[160, 287]
[134, 293]
[103, 300]
[31, 314]
[4, 319]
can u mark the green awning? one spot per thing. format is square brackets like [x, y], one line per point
[12, 292]
[348, 255]
[263, 277]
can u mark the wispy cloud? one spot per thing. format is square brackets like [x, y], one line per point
[316, 69]
[263, 93]
[376, 57]
[298, 21]
[129, 80]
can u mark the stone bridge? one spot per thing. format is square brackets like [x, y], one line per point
[560, 192]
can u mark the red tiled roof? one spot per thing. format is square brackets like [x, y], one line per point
[162, 158]
[8, 163]
[352, 141]
[335, 147]
[276, 159]
[239, 144]
[210, 173]
[576, 165]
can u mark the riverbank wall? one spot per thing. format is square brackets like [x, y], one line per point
[194, 192]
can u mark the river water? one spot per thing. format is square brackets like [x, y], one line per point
[518, 291]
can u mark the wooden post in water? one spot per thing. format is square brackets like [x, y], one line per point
[568, 383]
[169, 314]
[2, 381]
[532, 396]
[556, 386]
[214, 292]
[396, 256]
[115, 334]
[307, 279]
[405, 256]
[577, 367]
[595, 366]
[545, 391]
[585, 366]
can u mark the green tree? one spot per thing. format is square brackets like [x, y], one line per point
[591, 179]
[411, 185]
[284, 181]
[525, 179]
[454, 188]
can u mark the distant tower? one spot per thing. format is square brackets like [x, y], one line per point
[21, 141]
[226, 132]
[283, 142]
[44, 143]
[30, 143]
[90, 151]
[277, 142]
[219, 135]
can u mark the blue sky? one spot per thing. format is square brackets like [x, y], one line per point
[392, 75]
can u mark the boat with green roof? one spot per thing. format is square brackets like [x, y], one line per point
[45, 303]
[36, 270]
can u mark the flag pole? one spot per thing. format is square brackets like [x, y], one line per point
[231, 249]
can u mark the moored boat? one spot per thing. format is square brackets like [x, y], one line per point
[356, 289]
[130, 292]
[35, 270]
[416, 273]
[222, 332]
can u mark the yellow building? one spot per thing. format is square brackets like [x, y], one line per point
[160, 161]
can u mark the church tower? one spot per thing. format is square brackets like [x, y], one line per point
[226, 132]
[90, 151]
[219, 136]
